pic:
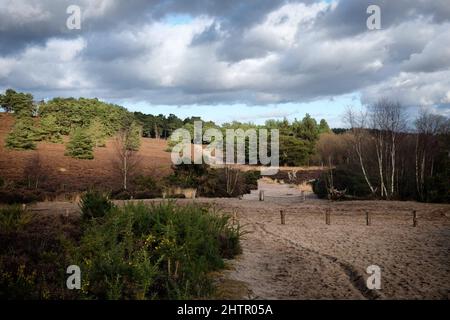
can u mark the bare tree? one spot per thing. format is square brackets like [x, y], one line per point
[428, 127]
[127, 158]
[388, 120]
[231, 177]
[34, 171]
[357, 123]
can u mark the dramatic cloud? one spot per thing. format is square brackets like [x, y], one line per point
[226, 52]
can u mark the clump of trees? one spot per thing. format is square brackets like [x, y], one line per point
[298, 139]
[21, 104]
[88, 122]
[213, 182]
[384, 156]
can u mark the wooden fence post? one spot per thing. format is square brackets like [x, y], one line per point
[261, 195]
[414, 218]
[327, 216]
[282, 216]
[368, 219]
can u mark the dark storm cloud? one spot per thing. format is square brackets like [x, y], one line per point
[33, 22]
[216, 52]
[349, 17]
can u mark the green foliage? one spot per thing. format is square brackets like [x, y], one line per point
[187, 175]
[146, 187]
[98, 133]
[79, 113]
[343, 179]
[22, 135]
[13, 218]
[133, 141]
[19, 284]
[94, 204]
[49, 130]
[293, 151]
[80, 145]
[160, 251]
[158, 126]
[323, 127]
[212, 182]
[19, 103]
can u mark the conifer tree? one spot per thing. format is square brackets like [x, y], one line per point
[323, 127]
[20, 103]
[22, 135]
[49, 130]
[80, 145]
[98, 133]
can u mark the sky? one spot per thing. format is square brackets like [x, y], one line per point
[230, 60]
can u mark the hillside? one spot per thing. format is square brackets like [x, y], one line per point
[64, 173]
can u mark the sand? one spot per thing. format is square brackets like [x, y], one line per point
[307, 259]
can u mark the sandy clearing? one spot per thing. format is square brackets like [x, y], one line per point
[307, 259]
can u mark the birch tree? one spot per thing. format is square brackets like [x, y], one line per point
[357, 123]
[387, 120]
[127, 144]
[428, 127]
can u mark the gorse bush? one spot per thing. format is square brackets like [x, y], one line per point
[94, 204]
[154, 252]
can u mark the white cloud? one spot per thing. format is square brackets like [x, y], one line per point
[282, 55]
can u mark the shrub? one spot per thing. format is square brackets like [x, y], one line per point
[94, 204]
[146, 187]
[33, 261]
[157, 251]
[121, 194]
[215, 183]
[343, 178]
[20, 195]
[13, 218]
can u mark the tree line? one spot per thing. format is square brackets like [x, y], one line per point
[89, 122]
[384, 155]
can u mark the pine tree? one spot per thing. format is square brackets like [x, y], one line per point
[20, 103]
[134, 140]
[49, 130]
[323, 127]
[97, 132]
[80, 145]
[22, 136]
